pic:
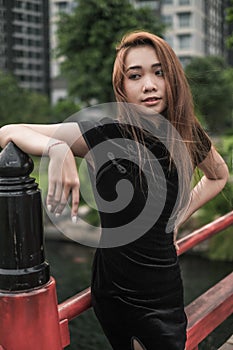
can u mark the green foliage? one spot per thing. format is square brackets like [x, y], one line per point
[220, 247]
[86, 194]
[18, 105]
[37, 108]
[201, 119]
[64, 109]
[226, 146]
[229, 18]
[11, 100]
[211, 83]
[87, 39]
[218, 206]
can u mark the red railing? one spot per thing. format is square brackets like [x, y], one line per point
[30, 316]
[204, 314]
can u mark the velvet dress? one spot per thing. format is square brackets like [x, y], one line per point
[137, 290]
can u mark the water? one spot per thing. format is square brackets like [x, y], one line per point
[71, 266]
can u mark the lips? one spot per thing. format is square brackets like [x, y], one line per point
[152, 99]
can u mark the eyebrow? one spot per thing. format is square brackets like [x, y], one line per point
[140, 67]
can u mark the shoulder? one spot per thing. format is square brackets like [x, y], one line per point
[95, 132]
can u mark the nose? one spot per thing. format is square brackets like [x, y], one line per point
[149, 84]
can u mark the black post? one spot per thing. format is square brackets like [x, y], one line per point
[22, 260]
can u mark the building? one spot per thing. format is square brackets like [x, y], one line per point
[24, 42]
[155, 5]
[58, 83]
[195, 28]
[228, 31]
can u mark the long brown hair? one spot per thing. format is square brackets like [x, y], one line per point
[180, 109]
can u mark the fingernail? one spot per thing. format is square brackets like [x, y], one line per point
[49, 207]
[74, 219]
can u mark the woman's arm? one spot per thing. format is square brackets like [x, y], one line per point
[46, 140]
[35, 138]
[212, 182]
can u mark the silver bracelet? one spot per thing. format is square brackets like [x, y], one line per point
[54, 144]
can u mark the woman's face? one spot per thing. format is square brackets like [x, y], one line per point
[144, 83]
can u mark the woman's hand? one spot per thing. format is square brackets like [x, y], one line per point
[63, 176]
[62, 180]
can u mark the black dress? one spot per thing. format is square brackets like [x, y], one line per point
[137, 290]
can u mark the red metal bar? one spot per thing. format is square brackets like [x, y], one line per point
[209, 311]
[75, 305]
[31, 318]
[204, 233]
[80, 302]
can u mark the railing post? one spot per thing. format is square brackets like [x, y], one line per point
[28, 302]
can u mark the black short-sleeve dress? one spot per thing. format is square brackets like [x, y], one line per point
[137, 290]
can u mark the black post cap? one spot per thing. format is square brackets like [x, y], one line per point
[22, 259]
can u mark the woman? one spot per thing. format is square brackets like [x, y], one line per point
[137, 291]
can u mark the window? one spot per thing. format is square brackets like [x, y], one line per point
[18, 4]
[18, 53]
[19, 16]
[167, 20]
[18, 29]
[184, 19]
[184, 2]
[184, 41]
[19, 65]
[62, 6]
[167, 2]
[18, 41]
[31, 30]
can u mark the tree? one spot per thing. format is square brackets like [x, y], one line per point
[37, 109]
[87, 40]
[11, 101]
[18, 105]
[211, 84]
[64, 109]
[229, 18]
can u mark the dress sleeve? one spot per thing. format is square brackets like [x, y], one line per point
[203, 145]
[95, 132]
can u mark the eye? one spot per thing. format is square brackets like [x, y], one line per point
[134, 76]
[159, 73]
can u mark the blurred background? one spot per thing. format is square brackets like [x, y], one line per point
[56, 58]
